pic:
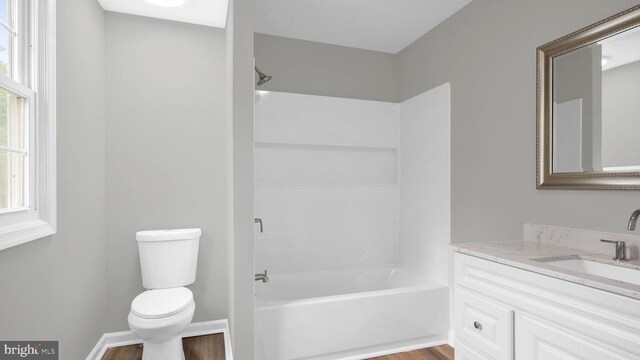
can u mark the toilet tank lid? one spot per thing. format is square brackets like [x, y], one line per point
[168, 235]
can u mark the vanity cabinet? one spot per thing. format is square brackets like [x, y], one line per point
[544, 340]
[506, 313]
[484, 324]
[464, 352]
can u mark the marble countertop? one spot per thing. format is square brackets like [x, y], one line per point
[523, 255]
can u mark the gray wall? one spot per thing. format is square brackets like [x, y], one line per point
[168, 146]
[53, 288]
[620, 112]
[306, 67]
[578, 75]
[240, 117]
[487, 52]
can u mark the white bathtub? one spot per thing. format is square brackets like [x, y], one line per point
[348, 314]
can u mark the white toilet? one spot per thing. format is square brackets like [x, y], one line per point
[168, 259]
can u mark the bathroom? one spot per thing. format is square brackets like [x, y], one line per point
[160, 124]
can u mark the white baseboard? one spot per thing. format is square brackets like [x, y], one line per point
[125, 338]
[381, 350]
[393, 350]
[452, 339]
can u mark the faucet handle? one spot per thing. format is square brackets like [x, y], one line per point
[621, 249]
[612, 241]
[258, 221]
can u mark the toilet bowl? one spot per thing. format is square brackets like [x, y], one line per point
[158, 316]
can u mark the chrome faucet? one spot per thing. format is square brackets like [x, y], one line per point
[621, 249]
[258, 221]
[262, 277]
[633, 219]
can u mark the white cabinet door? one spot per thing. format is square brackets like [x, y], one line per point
[464, 352]
[539, 339]
[484, 324]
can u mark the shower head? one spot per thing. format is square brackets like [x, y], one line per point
[263, 78]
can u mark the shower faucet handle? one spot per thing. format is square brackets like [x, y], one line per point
[259, 221]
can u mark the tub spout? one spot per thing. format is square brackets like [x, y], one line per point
[262, 277]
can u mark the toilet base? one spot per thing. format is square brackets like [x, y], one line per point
[162, 337]
[168, 350]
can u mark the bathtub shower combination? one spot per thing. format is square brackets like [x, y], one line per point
[355, 200]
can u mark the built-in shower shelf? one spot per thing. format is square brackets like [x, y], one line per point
[325, 164]
[324, 145]
[283, 184]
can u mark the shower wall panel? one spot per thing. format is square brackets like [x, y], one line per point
[425, 189]
[327, 182]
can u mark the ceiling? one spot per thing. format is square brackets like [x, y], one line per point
[380, 25]
[201, 12]
[621, 50]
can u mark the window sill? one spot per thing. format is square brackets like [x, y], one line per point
[21, 233]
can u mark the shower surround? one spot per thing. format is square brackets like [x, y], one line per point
[355, 199]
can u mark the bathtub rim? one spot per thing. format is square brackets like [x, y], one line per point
[427, 283]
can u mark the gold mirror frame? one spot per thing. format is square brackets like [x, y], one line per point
[546, 179]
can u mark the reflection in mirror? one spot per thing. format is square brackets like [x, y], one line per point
[596, 107]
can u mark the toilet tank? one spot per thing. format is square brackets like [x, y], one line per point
[168, 258]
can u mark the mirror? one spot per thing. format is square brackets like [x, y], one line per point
[589, 107]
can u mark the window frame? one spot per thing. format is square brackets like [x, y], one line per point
[36, 84]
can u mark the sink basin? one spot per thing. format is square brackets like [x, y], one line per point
[590, 267]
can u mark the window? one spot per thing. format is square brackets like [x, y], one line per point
[27, 121]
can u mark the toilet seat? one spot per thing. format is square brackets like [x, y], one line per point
[161, 303]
